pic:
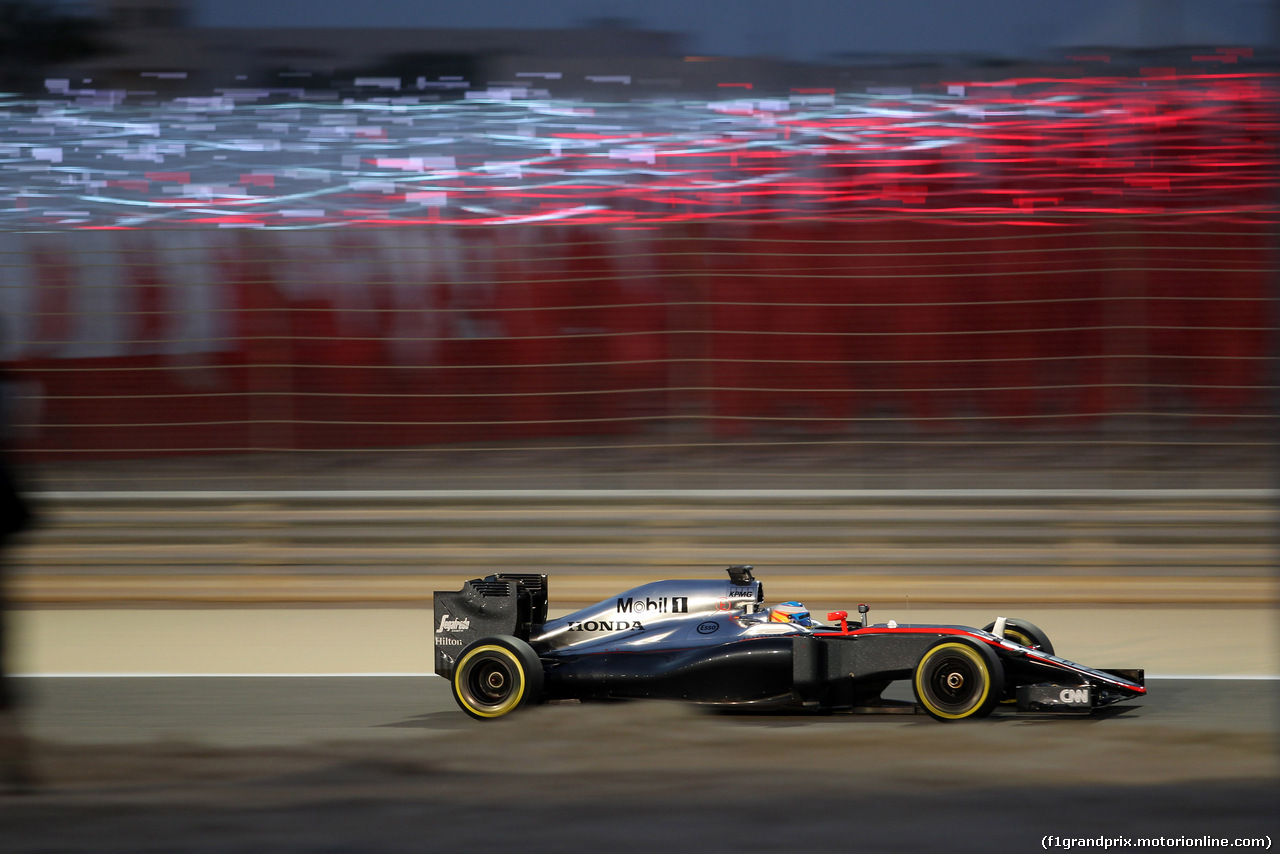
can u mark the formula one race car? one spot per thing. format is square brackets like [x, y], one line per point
[715, 643]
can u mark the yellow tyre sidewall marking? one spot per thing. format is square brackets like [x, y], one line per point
[978, 661]
[1018, 637]
[512, 701]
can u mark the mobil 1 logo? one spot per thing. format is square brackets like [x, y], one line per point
[654, 605]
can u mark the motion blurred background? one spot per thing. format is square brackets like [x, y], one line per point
[311, 309]
[305, 305]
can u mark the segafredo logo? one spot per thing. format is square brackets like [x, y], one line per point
[1074, 695]
[453, 624]
[660, 605]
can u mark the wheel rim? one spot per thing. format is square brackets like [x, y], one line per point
[489, 682]
[953, 682]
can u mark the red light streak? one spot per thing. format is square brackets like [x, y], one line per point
[1196, 142]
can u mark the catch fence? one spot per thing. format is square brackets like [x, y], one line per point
[146, 342]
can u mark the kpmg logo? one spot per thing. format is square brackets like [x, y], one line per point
[453, 624]
[660, 605]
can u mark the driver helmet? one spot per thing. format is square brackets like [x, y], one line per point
[790, 612]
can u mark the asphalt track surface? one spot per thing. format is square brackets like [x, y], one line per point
[390, 764]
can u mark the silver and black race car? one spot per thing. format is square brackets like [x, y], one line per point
[715, 643]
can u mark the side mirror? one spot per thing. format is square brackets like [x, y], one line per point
[843, 617]
[862, 610]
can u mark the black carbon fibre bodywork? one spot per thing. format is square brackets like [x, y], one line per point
[502, 604]
[749, 671]
[852, 670]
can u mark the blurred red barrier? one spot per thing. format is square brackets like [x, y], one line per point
[168, 342]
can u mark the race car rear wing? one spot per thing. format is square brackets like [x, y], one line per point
[501, 604]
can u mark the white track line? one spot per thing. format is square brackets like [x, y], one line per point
[1237, 677]
[1229, 677]
[219, 675]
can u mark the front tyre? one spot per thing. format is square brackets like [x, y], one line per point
[1025, 633]
[955, 680]
[495, 676]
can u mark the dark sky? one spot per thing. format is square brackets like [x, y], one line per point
[799, 29]
[804, 29]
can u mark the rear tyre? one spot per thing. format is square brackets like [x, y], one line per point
[955, 680]
[496, 676]
[1027, 634]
